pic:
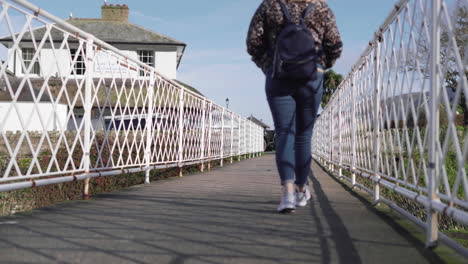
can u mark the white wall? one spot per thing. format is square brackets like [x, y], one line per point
[56, 119]
[11, 60]
[108, 66]
[166, 63]
[57, 63]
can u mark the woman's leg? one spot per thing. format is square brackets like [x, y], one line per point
[283, 109]
[308, 99]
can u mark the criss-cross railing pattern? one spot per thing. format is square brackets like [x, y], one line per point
[73, 107]
[398, 121]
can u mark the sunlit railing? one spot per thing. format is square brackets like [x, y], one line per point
[75, 108]
[395, 126]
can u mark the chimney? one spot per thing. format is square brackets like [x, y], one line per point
[115, 12]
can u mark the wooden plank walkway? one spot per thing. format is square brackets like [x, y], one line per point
[226, 215]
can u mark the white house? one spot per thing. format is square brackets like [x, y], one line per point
[154, 49]
[24, 114]
[162, 52]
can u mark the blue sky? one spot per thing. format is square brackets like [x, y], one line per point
[215, 61]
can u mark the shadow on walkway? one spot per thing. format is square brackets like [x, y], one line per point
[223, 216]
[347, 253]
[345, 244]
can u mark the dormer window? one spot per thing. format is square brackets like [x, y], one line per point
[147, 57]
[27, 55]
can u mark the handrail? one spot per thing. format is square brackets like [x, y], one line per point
[79, 110]
[393, 122]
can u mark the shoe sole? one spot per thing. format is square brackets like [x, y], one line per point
[287, 211]
[302, 204]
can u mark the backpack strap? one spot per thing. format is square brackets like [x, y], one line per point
[286, 13]
[309, 9]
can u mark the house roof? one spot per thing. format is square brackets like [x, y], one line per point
[258, 122]
[108, 31]
[112, 32]
[122, 32]
[193, 89]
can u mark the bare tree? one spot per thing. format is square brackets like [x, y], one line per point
[418, 60]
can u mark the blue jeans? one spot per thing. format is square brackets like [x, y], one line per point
[294, 108]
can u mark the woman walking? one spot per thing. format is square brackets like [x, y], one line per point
[293, 42]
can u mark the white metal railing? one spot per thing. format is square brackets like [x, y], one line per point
[395, 120]
[76, 119]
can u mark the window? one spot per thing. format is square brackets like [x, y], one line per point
[79, 68]
[27, 55]
[147, 57]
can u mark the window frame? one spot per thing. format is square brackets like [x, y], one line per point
[147, 57]
[36, 69]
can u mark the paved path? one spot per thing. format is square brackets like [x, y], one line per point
[223, 216]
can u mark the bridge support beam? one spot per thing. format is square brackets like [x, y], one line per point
[181, 128]
[149, 126]
[87, 112]
[203, 136]
[353, 130]
[221, 163]
[376, 123]
[433, 185]
[232, 137]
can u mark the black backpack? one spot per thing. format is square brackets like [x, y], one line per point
[294, 56]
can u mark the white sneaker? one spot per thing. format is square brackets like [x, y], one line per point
[288, 203]
[303, 197]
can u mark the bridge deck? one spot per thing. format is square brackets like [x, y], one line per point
[223, 216]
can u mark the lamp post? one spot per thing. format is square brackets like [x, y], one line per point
[227, 103]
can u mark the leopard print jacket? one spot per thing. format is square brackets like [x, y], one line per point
[268, 21]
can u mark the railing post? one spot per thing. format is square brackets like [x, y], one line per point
[240, 137]
[322, 138]
[245, 139]
[232, 135]
[376, 123]
[331, 167]
[222, 138]
[340, 142]
[432, 219]
[250, 140]
[149, 127]
[87, 112]
[261, 133]
[353, 130]
[257, 142]
[203, 135]
[210, 116]
[181, 130]
[262, 141]
[259, 136]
